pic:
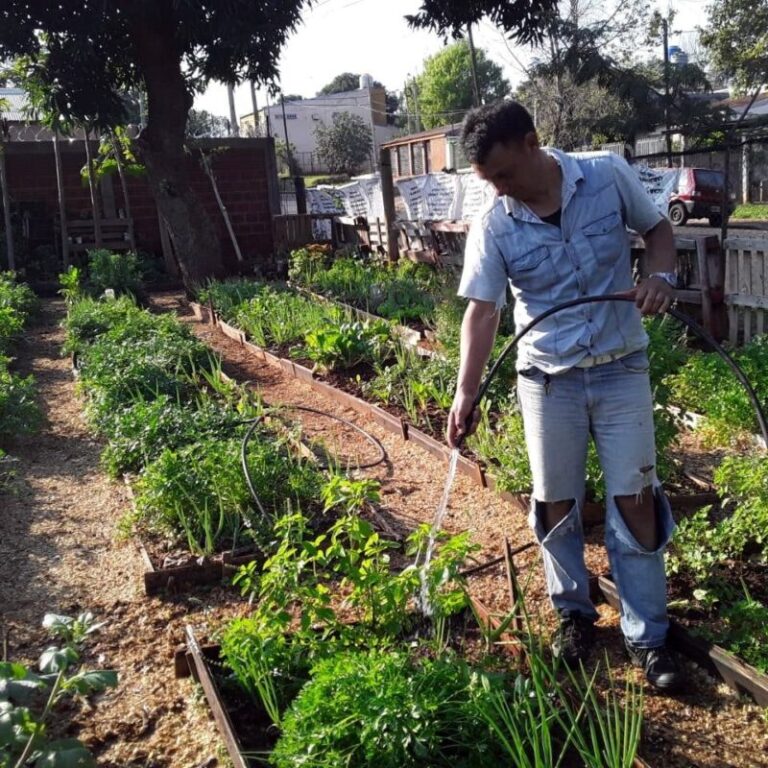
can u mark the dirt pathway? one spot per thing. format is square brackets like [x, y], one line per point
[60, 552]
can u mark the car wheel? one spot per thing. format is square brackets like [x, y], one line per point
[715, 220]
[677, 214]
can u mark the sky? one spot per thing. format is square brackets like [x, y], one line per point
[372, 36]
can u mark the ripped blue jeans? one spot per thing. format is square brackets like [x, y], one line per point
[613, 403]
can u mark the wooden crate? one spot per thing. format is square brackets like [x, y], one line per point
[746, 287]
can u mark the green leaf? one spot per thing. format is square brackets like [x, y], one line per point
[67, 753]
[55, 659]
[92, 682]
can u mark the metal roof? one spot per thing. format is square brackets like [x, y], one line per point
[17, 102]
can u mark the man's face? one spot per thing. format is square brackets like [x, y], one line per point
[510, 167]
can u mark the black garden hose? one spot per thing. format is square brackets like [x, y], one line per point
[255, 422]
[676, 313]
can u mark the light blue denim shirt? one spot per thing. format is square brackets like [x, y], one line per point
[545, 265]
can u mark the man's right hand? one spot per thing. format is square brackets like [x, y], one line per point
[457, 419]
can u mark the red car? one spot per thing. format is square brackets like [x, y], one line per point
[698, 194]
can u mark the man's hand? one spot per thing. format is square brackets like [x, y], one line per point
[653, 296]
[457, 419]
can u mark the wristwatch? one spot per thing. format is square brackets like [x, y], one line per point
[669, 277]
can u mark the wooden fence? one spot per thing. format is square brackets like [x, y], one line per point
[746, 287]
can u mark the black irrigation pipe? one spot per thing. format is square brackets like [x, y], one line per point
[382, 454]
[676, 313]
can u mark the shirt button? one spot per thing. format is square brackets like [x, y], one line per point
[578, 268]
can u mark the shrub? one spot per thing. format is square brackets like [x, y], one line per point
[19, 412]
[119, 271]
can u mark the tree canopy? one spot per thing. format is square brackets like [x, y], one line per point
[346, 81]
[171, 49]
[346, 144]
[445, 90]
[523, 20]
[737, 40]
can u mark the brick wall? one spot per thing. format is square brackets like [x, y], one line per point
[245, 174]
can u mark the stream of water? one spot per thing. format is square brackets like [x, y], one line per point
[434, 531]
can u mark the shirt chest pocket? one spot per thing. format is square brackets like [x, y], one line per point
[532, 270]
[604, 234]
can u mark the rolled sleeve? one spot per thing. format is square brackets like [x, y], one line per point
[640, 212]
[484, 276]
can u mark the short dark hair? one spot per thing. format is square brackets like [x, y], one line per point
[485, 126]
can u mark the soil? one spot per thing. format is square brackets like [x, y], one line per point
[60, 533]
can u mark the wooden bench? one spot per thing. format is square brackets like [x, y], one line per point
[116, 234]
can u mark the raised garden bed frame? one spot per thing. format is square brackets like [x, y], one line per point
[743, 678]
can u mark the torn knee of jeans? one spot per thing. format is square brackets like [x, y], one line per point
[638, 497]
[564, 518]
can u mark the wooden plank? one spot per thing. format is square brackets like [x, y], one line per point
[203, 676]
[743, 300]
[738, 675]
[733, 325]
[749, 243]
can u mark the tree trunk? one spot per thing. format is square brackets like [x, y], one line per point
[161, 145]
[94, 192]
[7, 212]
[62, 201]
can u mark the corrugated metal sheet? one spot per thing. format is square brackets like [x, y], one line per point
[17, 102]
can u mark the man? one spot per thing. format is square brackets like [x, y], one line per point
[557, 231]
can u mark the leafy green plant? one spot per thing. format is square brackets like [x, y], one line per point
[384, 709]
[348, 344]
[19, 411]
[229, 294]
[118, 271]
[706, 385]
[293, 592]
[89, 318]
[199, 490]
[348, 494]
[275, 318]
[71, 283]
[744, 630]
[140, 432]
[28, 701]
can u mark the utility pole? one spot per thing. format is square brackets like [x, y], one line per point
[255, 106]
[473, 59]
[407, 109]
[234, 128]
[668, 127]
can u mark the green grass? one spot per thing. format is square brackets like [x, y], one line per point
[751, 211]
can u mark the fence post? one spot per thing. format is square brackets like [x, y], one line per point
[301, 197]
[388, 195]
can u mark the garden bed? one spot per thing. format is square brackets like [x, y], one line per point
[742, 677]
[593, 513]
[245, 729]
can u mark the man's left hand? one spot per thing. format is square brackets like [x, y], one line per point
[653, 296]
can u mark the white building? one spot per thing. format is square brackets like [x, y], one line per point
[303, 116]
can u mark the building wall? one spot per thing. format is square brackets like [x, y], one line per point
[245, 173]
[303, 117]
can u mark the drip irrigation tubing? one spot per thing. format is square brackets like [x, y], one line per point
[253, 423]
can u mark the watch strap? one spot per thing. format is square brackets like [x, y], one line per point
[668, 277]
